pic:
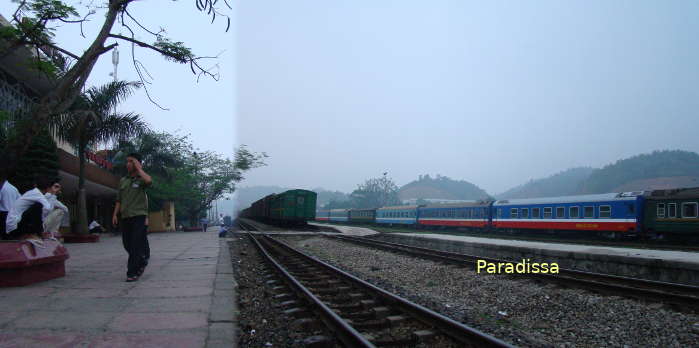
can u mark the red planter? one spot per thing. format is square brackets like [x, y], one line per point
[22, 263]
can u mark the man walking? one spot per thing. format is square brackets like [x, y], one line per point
[132, 205]
[204, 224]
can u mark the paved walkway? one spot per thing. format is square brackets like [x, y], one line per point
[348, 230]
[184, 299]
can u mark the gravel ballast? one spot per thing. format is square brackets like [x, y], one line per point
[520, 311]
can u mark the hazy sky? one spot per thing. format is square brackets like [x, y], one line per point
[205, 109]
[493, 92]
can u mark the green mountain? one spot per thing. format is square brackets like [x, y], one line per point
[441, 187]
[643, 172]
[561, 184]
[657, 170]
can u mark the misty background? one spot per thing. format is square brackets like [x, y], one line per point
[494, 93]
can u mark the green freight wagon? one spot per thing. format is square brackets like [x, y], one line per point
[672, 212]
[366, 216]
[293, 207]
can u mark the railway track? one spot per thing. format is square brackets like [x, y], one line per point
[358, 313]
[682, 297]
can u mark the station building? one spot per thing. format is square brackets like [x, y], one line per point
[21, 86]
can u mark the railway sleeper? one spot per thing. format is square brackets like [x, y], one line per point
[323, 291]
[297, 312]
[283, 296]
[306, 324]
[368, 325]
[318, 341]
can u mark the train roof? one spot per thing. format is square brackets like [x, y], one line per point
[457, 205]
[360, 209]
[398, 207]
[678, 193]
[603, 197]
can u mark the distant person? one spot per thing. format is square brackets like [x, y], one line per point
[56, 217]
[132, 206]
[204, 224]
[8, 196]
[223, 231]
[95, 227]
[25, 220]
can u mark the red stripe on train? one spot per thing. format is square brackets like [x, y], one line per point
[583, 226]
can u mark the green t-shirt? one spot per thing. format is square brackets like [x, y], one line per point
[132, 197]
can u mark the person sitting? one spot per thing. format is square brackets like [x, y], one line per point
[95, 227]
[55, 218]
[223, 231]
[8, 196]
[26, 218]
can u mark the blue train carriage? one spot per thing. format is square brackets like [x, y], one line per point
[468, 215]
[610, 214]
[362, 216]
[398, 215]
[339, 215]
[323, 215]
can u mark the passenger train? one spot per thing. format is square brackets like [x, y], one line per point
[641, 213]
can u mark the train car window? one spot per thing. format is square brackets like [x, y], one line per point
[672, 210]
[548, 212]
[632, 208]
[499, 213]
[605, 211]
[574, 212]
[588, 212]
[689, 210]
[513, 213]
[525, 213]
[536, 213]
[661, 210]
[560, 212]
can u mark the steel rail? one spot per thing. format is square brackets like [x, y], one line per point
[347, 334]
[456, 330]
[678, 294]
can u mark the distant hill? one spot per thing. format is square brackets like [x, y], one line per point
[561, 184]
[657, 170]
[674, 168]
[441, 187]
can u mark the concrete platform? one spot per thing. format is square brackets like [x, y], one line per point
[186, 298]
[348, 230]
[662, 265]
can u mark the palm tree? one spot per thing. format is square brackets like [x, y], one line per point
[161, 152]
[92, 120]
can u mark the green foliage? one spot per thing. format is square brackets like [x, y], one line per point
[192, 180]
[41, 160]
[442, 187]
[51, 9]
[374, 193]
[646, 166]
[326, 197]
[174, 51]
[561, 184]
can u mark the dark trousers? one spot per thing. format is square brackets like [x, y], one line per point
[3, 221]
[133, 235]
[31, 223]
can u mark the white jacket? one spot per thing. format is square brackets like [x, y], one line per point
[14, 216]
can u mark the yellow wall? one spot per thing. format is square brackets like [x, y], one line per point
[164, 220]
